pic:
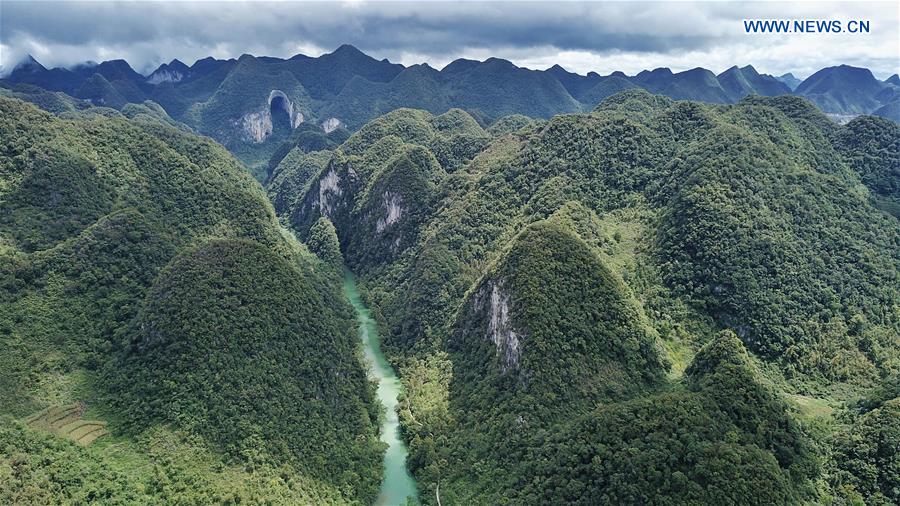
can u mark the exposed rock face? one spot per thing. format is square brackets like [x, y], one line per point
[329, 185]
[165, 76]
[507, 342]
[331, 124]
[393, 205]
[257, 125]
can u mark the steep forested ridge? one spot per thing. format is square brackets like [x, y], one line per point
[252, 105]
[146, 282]
[657, 302]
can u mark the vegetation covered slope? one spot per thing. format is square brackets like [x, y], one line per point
[382, 183]
[866, 454]
[144, 275]
[759, 218]
[743, 236]
[720, 437]
[229, 100]
[550, 321]
[871, 146]
[242, 392]
[660, 301]
[547, 334]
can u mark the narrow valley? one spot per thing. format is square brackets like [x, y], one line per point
[397, 486]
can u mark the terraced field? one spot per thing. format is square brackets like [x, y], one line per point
[67, 421]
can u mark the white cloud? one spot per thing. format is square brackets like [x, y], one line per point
[581, 36]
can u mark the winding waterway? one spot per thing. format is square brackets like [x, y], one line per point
[397, 485]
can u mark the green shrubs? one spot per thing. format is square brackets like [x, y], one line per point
[323, 241]
[37, 467]
[871, 147]
[867, 457]
[685, 444]
[749, 218]
[551, 322]
[60, 194]
[235, 343]
[777, 250]
[533, 283]
[292, 177]
[143, 274]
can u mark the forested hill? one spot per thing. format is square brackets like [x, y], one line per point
[252, 104]
[149, 296]
[657, 302]
[650, 301]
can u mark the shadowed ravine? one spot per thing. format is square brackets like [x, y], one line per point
[397, 484]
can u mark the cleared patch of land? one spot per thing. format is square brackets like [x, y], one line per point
[67, 421]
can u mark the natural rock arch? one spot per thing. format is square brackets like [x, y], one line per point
[258, 125]
[278, 98]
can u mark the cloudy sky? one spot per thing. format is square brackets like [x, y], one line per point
[581, 36]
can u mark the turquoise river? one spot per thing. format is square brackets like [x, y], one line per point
[397, 484]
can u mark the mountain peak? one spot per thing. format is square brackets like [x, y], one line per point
[657, 73]
[841, 80]
[423, 69]
[499, 62]
[118, 62]
[176, 64]
[894, 79]
[205, 60]
[118, 66]
[173, 72]
[789, 80]
[112, 70]
[348, 49]
[459, 65]
[28, 64]
[847, 70]
[697, 73]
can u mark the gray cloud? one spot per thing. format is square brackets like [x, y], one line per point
[581, 36]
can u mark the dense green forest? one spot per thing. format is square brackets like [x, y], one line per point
[661, 302]
[145, 278]
[655, 302]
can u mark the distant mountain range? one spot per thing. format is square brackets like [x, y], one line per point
[239, 101]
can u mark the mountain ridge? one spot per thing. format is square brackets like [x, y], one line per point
[348, 88]
[658, 80]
